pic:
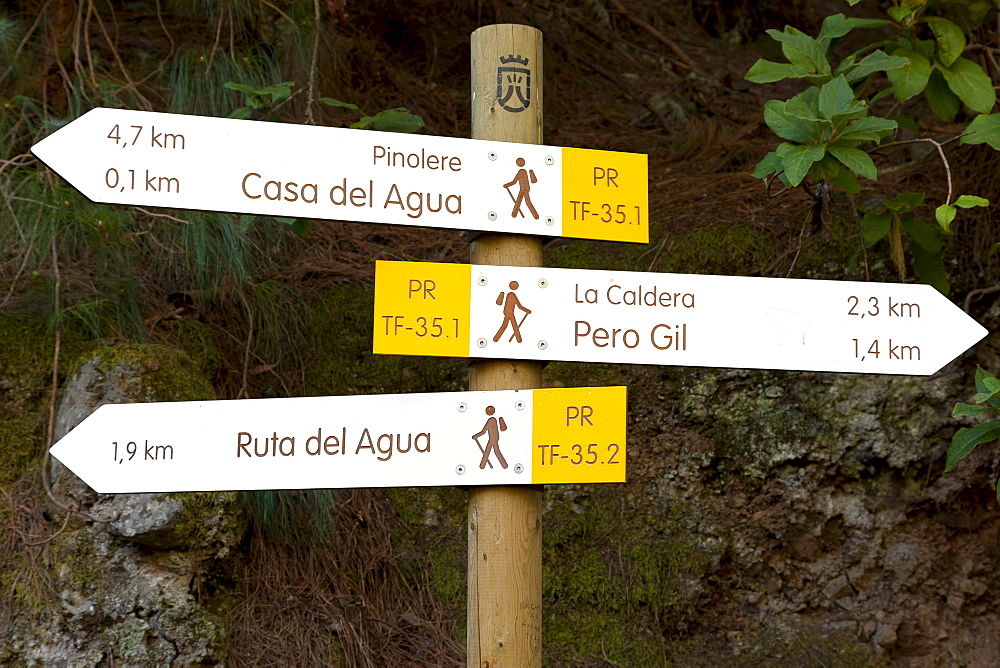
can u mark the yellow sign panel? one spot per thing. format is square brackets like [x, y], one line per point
[422, 308]
[578, 435]
[605, 195]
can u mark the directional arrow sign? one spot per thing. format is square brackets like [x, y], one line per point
[118, 156]
[424, 308]
[566, 435]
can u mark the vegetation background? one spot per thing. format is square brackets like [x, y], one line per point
[653, 572]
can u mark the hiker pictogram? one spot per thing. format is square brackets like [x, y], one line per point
[523, 181]
[492, 430]
[509, 315]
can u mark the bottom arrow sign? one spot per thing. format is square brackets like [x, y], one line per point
[510, 437]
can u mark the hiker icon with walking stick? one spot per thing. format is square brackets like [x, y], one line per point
[492, 430]
[523, 181]
[509, 316]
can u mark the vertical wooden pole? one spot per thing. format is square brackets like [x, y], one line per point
[505, 523]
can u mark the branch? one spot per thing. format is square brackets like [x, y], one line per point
[939, 145]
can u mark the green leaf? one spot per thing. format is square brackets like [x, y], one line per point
[971, 84]
[875, 62]
[397, 120]
[802, 50]
[874, 226]
[767, 71]
[786, 126]
[337, 103]
[923, 234]
[950, 39]
[906, 123]
[835, 97]
[929, 268]
[944, 214]
[871, 128]
[985, 128]
[944, 104]
[966, 440]
[797, 159]
[768, 165]
[836, 26]
[908, 201]
[963, 410]
[969, 201]
[855, 159]
[300, 226]
[982, 376]
[847, 180]
[242, 112]
[910, 79]
[797, 107]
[899, 14]
[243, 88]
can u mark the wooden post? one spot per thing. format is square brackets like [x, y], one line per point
[505, 523]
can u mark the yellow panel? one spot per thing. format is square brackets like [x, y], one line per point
[422, 308]
[605, 195]
[578, 435]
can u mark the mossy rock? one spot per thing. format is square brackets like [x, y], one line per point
[18, 446]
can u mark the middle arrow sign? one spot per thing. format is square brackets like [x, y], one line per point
[424, 308]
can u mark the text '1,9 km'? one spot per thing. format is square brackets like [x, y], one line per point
[119, 156]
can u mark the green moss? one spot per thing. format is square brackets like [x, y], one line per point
[164, 374]
[735, 250]
[340, 359]
[26, 348]
[614, 578]
[211, 519]
[804, 648]
[19, 440]
[197, 339]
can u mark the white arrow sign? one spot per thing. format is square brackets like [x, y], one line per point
[459, 438]
[424, 308]
[119, 156]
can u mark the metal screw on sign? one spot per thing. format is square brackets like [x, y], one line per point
[518, 468]
[462, 407]
[481, 343]
[549, 220]
[492, 155]
[519, 405]
[542, 345]
[492, 215]
[482, 280]
[460, 469]
[543, 282]
[549, 160]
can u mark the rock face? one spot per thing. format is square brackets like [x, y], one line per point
[132, 590]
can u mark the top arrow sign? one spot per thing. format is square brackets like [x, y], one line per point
[118, 156]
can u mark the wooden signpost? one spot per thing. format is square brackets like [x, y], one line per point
[120, 156]
[564, 435]
[425, 308]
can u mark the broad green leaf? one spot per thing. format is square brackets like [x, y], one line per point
[923, 234]
[929, 268]
[768, 165]
[767, 71]
[966, 440]
[337, 103]
[826, 168]
[397, 120]
[788, 127]
[874, 226]
[910, 79]
[847, 180]
[982, 397]
[899, 14]
[982, 375]
[243, 88]
[985, 128]
[853, 2]
[969, 201]
[240, 113]
[855, 159]
[300, 226]
[950, 39]
[797, 159]
[837, 26]
[872, 124]
[963, 410]
[802, 50]
[944, 214]
[971, 84]
[875, 62]
[798, 108]
[906, 123]
[944, 103]
[906, 201]
[835, 97]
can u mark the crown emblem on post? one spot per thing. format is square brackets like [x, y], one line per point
[520, 60]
